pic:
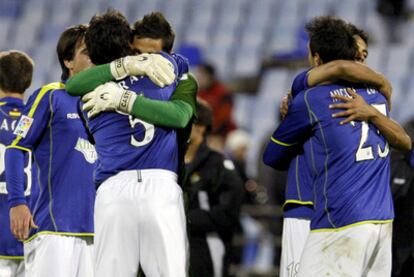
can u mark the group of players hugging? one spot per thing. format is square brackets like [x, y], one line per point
[92, 165]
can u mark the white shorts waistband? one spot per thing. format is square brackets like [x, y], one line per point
[142, 174]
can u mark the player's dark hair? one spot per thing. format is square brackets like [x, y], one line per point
[108, 37]
[16, 72]
[331, 38]
[355, 31]
[67, 44]
[155, 26]
[204, 115]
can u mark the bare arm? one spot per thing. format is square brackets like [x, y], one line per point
[349, 71]
[357, 109]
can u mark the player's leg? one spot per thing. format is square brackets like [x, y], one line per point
[53, 255]
[11, 268]
[164, 246]
[380, 263]
[84, 255]
[294, 235]
[341, 253]
[116, 227]
[20, 271]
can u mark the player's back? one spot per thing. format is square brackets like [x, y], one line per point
[350, 162]
[126, 143]
[52, 128]
[10, 110]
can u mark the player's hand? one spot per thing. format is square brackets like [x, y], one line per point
[108, 97]
[355, 108]
[155, 66]
[21, 220]
[284, 106]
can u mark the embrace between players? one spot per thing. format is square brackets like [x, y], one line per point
[338, 211]
[132, 154]
[130, 139]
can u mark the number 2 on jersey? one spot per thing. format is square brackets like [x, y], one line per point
[367, 153]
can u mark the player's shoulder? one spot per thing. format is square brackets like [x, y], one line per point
[42, 94]
[44, 90]
[309, 93]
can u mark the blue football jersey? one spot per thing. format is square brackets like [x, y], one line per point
[300, 83]
[51, 127]
[350, 162]
[182, 64]
[10, 110]
[126, 143]
[299, 194]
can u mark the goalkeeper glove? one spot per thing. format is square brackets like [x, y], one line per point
[155, 66]
[108, 97]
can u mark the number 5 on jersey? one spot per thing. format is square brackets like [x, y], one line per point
[148, 135]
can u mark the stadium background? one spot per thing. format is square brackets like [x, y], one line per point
[257, 47]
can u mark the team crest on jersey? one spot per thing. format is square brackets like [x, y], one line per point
[87, 149]
[23, 126]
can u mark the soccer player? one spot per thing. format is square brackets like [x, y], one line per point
[298, 207]
[50, 127]
[342, 178]
[12, 64]
[152, 34]
[139, 215]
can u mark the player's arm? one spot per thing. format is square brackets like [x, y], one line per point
[174, 114]
[155, 66]
[30, 128]
[21, 219]
[349, 71]
[357, 109]
[287, 139]
[223, 216]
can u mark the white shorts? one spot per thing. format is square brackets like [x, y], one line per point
[363, 250]
[295, 233]
[140, 220]
[11, 268]
[57, 255]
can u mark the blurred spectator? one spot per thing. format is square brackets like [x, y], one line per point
[273, 180]
[236, 146]
[402, 185]
[393, 13]
[221, 101]
[215, 193]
